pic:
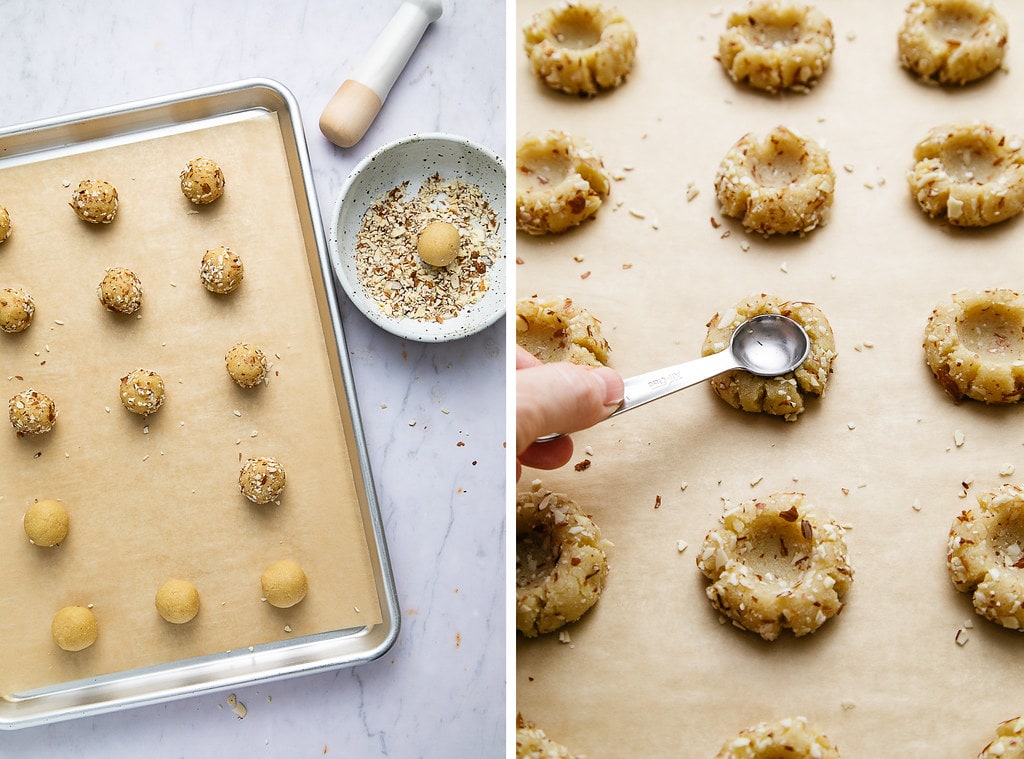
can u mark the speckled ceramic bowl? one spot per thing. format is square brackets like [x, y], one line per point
[414, 159]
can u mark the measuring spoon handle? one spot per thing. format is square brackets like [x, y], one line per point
[644, 388]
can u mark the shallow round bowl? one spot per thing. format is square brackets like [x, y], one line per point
[413, 159]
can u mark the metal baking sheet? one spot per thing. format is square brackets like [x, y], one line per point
[330, 482]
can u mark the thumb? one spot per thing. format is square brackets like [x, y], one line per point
[563, 397]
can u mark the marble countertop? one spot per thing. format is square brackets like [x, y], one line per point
[432, 414]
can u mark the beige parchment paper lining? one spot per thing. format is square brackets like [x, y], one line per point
[151, 499]
[651, 670]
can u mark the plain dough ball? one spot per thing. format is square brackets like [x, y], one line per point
[46, 523]
[74, 628]
[438, 243]
[202, 181]
[177, 601]
[95, 201]
[284, 584]
[16, 310]
[262, 479]
[247, 364]
[142, 392]
[120, 291]
[32, 413]
[5, 224]
[221, 270]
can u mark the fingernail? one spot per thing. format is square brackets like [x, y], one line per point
[613, 389]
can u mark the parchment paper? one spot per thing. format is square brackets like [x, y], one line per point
[151, 499]
[651, 670]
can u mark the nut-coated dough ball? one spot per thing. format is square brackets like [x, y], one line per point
[557, 329]
[120, 291]
[284, 584]
[32, 413]
[142, 392]
[1009, 742]
[74, 628]
[177, 601]
[221, 270]
[95, 201]
[246, 364]
[789, 737]
[262, 479]
[16, 310]
[533, 743]
[46, 523]
[952, 42]
[5, 224]
[438, 243]
[202, 181]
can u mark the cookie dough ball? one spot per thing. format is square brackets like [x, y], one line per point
[438, 243]
[74, 628]
[789, 737]
[202, 181]
[533, 743]
[784, 396]
[5, 224]
[969, 174]
[142, 392]
[580, 47]
[776, 563]
[120, 291]
[16, 310]
[561, 563]
[985, 555]
[773, 45]
[46, 523]
[557, 329]
[246, 364]
[221, 270]
[177, 601]
[952, 42]
[95, 201]
[284, 584]
[262, 479]
[1009, 742]
[779, 183]
[31, 413]
[560, 182]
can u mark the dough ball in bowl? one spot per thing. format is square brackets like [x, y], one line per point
[95, 201]
[202, 181]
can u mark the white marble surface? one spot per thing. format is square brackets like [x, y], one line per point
[440, 691]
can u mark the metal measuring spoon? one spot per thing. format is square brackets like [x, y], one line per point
[769, 345]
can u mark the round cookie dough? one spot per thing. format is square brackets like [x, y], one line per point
[985, 555]
[1009, 742]
[775, 46]
[221, 270]
[974, 345]
[5, 224]
[776, 563]
[177, 601]
[952, 41]
[438, 243]
[74, 628]
[970, 174]
[31, 413]
[561, 563]
[560, 182]
[533, 743]
[262, 479]
[16, 310]
[246, 364]
[202, 181]
[284, 584]
[95, 201]
[142, 392]
[556, 329]
[779, 396]
[120, 291]
[779, 183]
[46, 523]
[580, 47]
[789, 737]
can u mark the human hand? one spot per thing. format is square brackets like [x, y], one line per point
[558, 397]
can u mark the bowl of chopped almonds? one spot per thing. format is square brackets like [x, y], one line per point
[418, 237]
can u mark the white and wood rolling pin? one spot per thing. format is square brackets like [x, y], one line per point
[359, 99]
